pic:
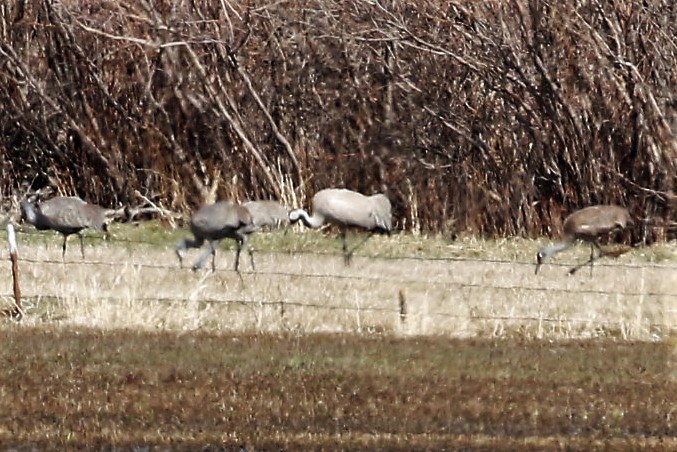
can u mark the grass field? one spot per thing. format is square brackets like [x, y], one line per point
[80, 388]
[127, 350]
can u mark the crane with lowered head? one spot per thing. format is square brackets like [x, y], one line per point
[347, 209]
[213, 222]
[587, 225]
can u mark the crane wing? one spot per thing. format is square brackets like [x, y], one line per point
[64, 212]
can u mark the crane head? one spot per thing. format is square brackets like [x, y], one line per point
[294, 216]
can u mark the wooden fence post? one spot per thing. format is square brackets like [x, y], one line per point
[403, 306]
[17, 311]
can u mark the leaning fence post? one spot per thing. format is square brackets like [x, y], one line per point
[17, 311]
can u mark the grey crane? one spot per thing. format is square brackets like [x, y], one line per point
[347, 209]
[267, 213]
[588, 225]
[213, 222]
[68, 215]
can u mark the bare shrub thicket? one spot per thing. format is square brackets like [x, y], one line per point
[493, 118]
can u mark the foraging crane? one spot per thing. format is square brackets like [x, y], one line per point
[347, 209]
[213, 222]
[267, 213]
[587, 225]
[67, 215]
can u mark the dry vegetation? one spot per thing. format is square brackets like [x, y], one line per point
[488, 118]
[93, 389]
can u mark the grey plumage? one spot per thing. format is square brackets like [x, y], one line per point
[267, 213]
[587, 225]
[68, 215]
[347, 209]
[213, 222]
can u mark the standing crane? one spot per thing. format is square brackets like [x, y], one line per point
[68, 215]
[588, 225]
[347, 209]
[213, 222]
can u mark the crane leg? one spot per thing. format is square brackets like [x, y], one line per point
[63, 247]
[238, 250]
[210, 249]
[590, 261]
[346, 255]
[601, 254]
[212, 245]
[350, 253]
[242, 243]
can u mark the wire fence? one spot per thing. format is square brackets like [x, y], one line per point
[406, 291]
[175, 267]
[382, 278]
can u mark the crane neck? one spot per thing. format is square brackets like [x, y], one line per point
[313, 222]
[548, 251]
[28, 212]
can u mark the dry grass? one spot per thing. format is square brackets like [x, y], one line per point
[460, 289]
